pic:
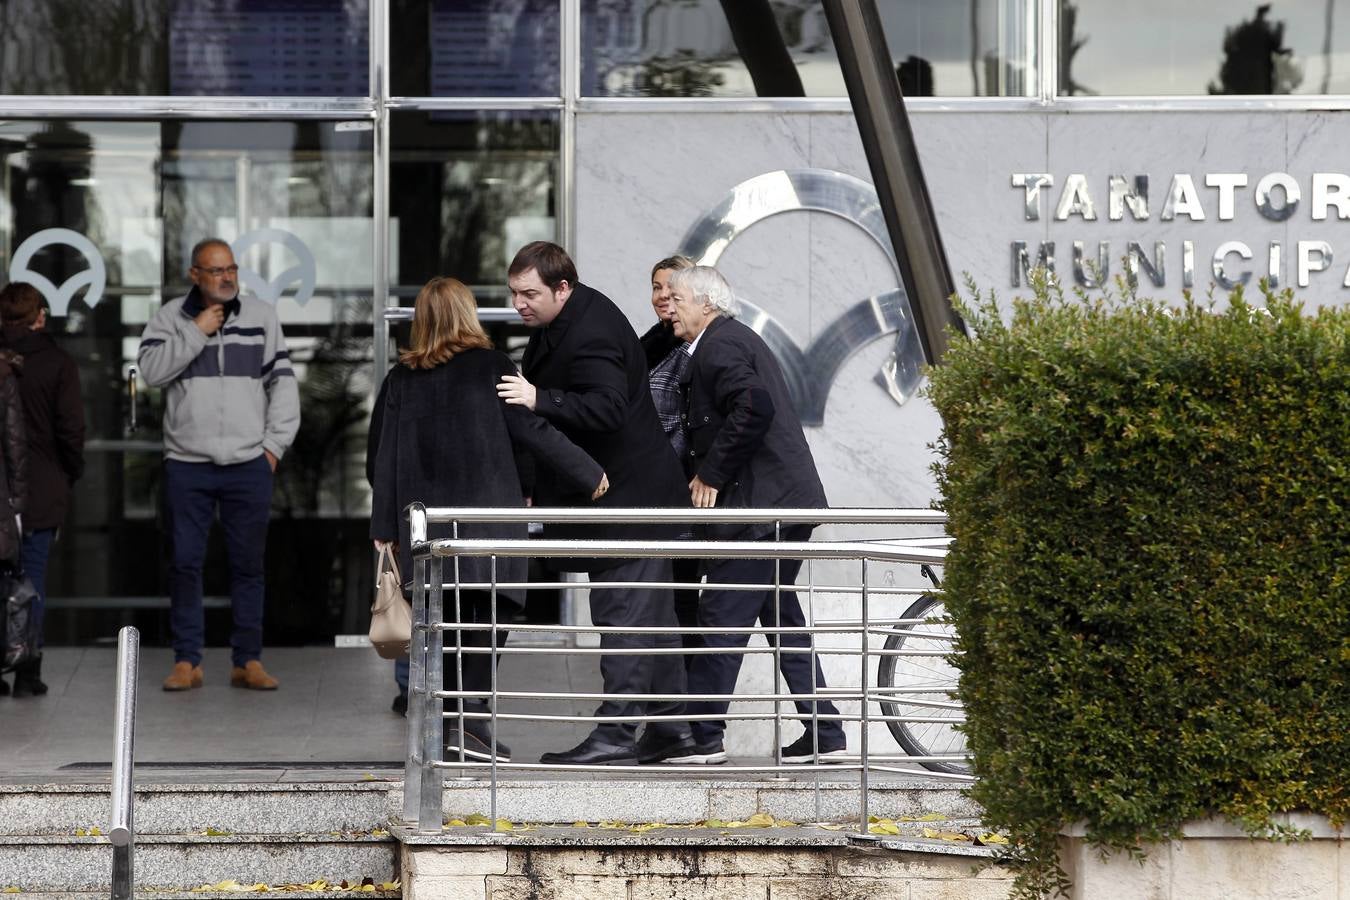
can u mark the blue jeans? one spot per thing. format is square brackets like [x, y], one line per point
[243, 494]
[37, 546]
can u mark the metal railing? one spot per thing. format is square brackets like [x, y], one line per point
[122, 832]
[425, 766]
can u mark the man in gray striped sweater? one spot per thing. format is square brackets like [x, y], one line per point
[231, 409]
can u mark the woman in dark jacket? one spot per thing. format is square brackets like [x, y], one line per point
[13, 467]
[445, 439]
[667, 358]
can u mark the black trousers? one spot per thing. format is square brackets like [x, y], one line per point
[687, 571]
[638, 673]
[716, 673]
[475, 607]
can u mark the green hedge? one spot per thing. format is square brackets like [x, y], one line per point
[1151, 513]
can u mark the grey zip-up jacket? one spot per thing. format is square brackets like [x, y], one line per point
[230, 396]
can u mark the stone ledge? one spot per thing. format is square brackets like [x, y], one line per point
[34, 840]
[1318, 828]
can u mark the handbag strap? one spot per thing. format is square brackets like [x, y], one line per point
[389, 557]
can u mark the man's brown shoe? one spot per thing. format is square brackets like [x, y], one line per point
[252, 676]
[184, 676]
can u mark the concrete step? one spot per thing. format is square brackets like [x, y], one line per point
[683, 800]
[176, 809]
[47, 864]
[276, 833]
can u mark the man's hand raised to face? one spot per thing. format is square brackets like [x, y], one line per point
[516, 391]
[210, 319]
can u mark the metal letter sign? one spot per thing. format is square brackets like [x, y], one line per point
[812, 371]
[95, 277]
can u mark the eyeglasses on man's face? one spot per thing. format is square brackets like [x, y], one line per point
[218, 271]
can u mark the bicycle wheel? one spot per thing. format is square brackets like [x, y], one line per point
[923, 678]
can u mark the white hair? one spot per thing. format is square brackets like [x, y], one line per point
[707, 284]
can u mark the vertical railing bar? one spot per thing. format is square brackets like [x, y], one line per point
[417, 694]
[429, 817]
[863, 739]
[122, 833]
[492, 722]
[777, 655]
[815, 708]
[464, 774]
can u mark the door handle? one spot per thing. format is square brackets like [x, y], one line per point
[131, 398]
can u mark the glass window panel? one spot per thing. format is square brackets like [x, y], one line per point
[285, 48]
[475, 48]
[782, 48]
[1157, 48]
[466, 191]
[120, 204]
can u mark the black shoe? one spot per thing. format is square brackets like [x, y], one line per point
[655, 747]
[28, 679]
[475, 748]
[803, 750]
[4, 688]
[592, 752]
[709, 753]
[400, 705]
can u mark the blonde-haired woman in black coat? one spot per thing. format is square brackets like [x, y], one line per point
[442, 437]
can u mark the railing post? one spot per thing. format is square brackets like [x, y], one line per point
[862, 739]
[777, 638]
[417, 683]
[417, 694]
[433, 719]
[122, 834]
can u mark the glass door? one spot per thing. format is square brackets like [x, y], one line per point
[101, 216]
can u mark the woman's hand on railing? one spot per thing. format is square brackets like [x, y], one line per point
[601, 488]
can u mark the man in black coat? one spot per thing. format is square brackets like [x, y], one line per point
[586, 374]
[746, 449]
[54, 416]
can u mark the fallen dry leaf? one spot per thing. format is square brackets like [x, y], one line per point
[945, 835]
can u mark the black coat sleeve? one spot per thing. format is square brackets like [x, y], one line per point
[384, 473]
[743, 401]
[15, 441]
[545, 445]
[68, 427]
[597, 399]
[373, 435]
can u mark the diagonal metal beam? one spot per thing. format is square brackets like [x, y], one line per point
[874, 91]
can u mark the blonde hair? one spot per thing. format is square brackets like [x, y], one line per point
[445, 322]
[674, 263]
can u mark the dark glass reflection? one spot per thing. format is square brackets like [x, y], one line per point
[1158, 47]
[466, 190]
[285, 48]
[141, 193]
[475, 48]
[782, 48]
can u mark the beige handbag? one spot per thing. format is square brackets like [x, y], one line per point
[391, 615]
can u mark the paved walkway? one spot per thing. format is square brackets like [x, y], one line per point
[329, 721]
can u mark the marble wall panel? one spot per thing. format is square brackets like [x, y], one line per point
[644, 179]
